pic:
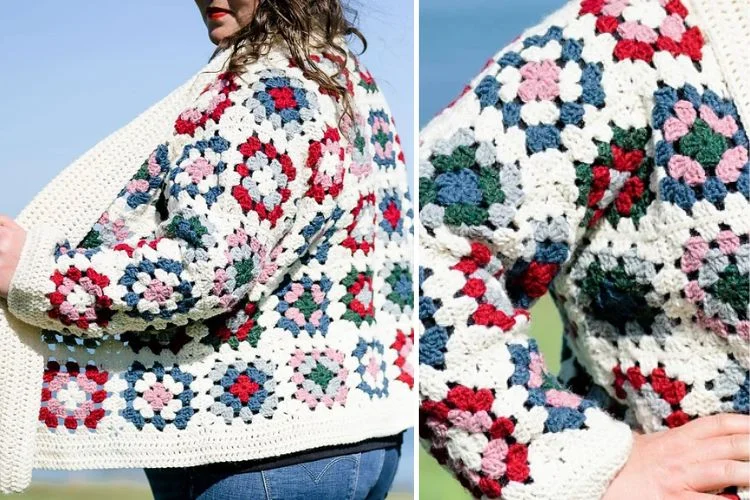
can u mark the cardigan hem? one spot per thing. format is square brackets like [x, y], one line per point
[20, 375]
[212, 444]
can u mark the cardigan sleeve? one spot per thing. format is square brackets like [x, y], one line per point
[512, 176]
[239, 172]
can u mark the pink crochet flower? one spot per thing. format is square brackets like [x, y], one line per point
[199, 170]
[493, 459]
[563, 399]
[614, 7]
[675, 128]
[673, 26]
[320, 377]
[536, 369]
[685, 167]
[714, 272]
[157, 396]
[726, 126]
[540, 81]
[632, 30]
[470, 422]
[731, 164]
[695, 250]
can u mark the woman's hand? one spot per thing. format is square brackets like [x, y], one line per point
[12, 238]
[706, 454]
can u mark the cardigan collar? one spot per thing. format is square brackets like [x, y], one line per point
[726, 23]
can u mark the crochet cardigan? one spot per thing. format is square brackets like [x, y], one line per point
[226, 278]
[602, 157]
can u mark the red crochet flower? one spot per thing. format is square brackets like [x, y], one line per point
[260, 190]
[193, 118]
[361, 232]
[72, 397]
[79, 298]
[326, 159]
[671, 390]
[403, 345]
[639, 42]
[486, 314]
[359, 297]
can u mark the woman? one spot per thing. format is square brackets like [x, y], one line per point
[236, 318]
[602, 157]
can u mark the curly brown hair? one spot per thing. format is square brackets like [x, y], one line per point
[305, 27]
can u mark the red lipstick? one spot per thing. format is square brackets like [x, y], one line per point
[216, 13]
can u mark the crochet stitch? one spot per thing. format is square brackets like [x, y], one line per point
[245, 295]
[601, 157]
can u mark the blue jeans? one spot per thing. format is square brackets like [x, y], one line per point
[359, 476]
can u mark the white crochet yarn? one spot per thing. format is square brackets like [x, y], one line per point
[602, 157]
[269, 311]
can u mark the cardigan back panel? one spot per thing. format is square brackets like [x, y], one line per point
[248, 294]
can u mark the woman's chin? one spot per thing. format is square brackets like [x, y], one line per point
[219, 33]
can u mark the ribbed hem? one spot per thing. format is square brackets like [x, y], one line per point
[21, 382]
[20, 374]
[219, 443]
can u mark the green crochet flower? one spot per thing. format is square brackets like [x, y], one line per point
[465, 189]
[703, 144]
[733, 288]
[189, 229]
[617, 297]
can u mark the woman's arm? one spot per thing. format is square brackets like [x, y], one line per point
[512, 176]
[235, 182]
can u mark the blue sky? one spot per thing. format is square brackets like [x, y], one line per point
[77, 71]
[455, 42]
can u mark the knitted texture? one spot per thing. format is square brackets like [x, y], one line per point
[601, 158]
[98, 176]
[246, 294]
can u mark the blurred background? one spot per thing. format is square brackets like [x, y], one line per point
[77, 71]
[455, 40]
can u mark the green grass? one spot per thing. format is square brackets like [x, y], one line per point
[435, 483]
[115, 491]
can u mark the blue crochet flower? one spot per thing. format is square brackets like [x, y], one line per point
[157, 289]
[392, 220]
[283, 98]
[303, 305]
[432, 346]
[371, 369]
[243, 390]
[157, 396]
[545, 136]
[458, 187]
[704, 150]
[190, 171]
[382, 138]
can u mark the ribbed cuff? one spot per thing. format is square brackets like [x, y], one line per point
[576, 464]
[27, 294]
